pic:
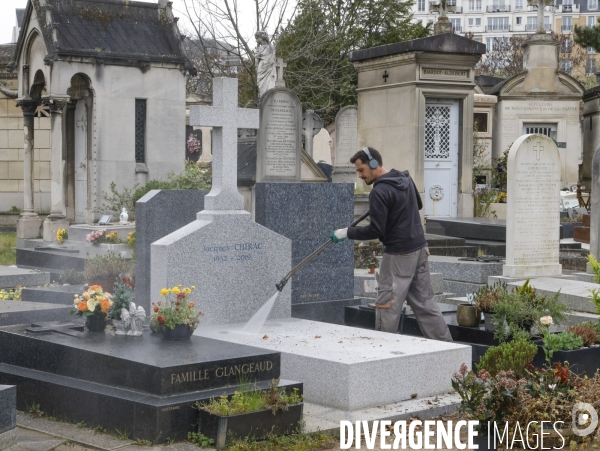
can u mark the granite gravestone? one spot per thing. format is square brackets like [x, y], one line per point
[533, 195]
[279, 137]
[8, 417]
[346, 144]
[307, 213]
[595, 206]
[159, 213]
[233, 262]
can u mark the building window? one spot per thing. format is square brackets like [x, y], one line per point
[498, 24]
[565, 66]
[518, 5]
[592, 5]
[481, 122]
[591, 21]
[540, 129]
[519, 20]
[456, 25]
[567, 45]
[590, 66]
[478, 21]
[474, 5]
[567, 24]
[421, 5]
[140, 130]
[591, 50]
[471, 22]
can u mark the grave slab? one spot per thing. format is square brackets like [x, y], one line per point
[365, 284]
[78, 232]
[145, 385]
[8, 408]
[464, 271]
[11, 277]
[350, 368]
[19, 312]
[53, 294]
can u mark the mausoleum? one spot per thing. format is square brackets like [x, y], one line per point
[113, 77]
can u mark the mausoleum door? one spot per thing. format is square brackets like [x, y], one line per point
[441, 158]
[81, 161]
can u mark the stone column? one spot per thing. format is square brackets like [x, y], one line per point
[57, 219]
[28, 224]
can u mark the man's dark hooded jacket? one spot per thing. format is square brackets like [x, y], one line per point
[394, 205]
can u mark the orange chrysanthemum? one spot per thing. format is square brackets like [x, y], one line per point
[105, 305]
[82, 306]
[95, 288]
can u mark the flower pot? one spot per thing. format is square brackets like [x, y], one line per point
[372, 269]
[119, 326]
[107, 283]
[489, 321]
[96, 322]
[181, 332]
[467, 315]
[482, 441]
[257, 425]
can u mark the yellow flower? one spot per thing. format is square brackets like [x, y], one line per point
[164, 292]
[175, 290]
[193, 287]
[187, 291]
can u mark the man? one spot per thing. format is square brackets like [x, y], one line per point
[394, 205]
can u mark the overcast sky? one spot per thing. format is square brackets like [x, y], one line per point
[8, 18]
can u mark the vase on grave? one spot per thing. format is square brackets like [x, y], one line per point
[468, 315]
[96, 322]
[180, 332]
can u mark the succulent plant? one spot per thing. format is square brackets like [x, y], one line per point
[508, 356]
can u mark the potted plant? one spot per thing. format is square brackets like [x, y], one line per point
[485, 300]
[93, 305]
[121, 299]
[372, 263]
[175, 317]
[251, 412]
[467, 314]
[62, 235]
[104, 269]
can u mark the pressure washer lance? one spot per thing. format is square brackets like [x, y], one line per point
[299, 266]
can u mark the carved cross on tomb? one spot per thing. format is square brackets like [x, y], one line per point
[537, 149]
[443, 7]
[279, 67]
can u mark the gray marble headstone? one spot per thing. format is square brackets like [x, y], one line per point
[157, 214]
[233, 262]
[279, 145]
[595, 206]
[346, 144]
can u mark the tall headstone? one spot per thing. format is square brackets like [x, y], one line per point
[311, 126]
[279, 137]
[595, 206]
[233, 262]
[532, 219]
[346, 144]
[157, 214]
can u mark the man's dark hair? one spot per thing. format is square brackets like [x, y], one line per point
[362, 156]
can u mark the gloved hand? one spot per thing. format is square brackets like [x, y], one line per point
[339, 235]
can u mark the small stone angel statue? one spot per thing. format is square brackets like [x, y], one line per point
[134, 319]
[124, 217]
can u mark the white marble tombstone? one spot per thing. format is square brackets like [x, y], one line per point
[346, 144]
[533, 201]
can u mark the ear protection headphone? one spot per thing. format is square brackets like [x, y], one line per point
[373, 164]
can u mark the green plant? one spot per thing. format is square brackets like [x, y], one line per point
[297, 441]
[71, 277]
[483, 200]
[587, 332]
[149, 186]
[99, 429]
[13, 294]
[563, 341]
[575, 218]
[200, 440]
[518, 311]
[194, 176]
[595, 264]
[34, 409]
[122, 434]
[107, 266]
[487, 297]
[8, 243]
[500, 176]
[121, 299]
[131, 240]
[81, 424]
[14, 209]
[114, 201]
[511, 356]
[251, 400]
[372, 261]
[175, 310]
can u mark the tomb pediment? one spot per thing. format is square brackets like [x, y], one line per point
[559, 85]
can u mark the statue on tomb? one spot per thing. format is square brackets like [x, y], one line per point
[264, 59]
[443, 24]
[133, 319]
[124, 217]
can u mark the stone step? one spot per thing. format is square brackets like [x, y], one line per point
[573, 259]
[464, 271]
[455, 251]
[443, 241]
[574, 293]
[585, 277]
[11, 277]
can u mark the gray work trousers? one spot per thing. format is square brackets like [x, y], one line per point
[406, 277]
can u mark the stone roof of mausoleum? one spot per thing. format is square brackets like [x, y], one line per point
[111, 31]
[6, 53]
[440, 43]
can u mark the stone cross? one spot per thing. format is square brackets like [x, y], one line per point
[279, 66]
[311, 125]
[443, 25]
[541, 4]
[226, 118]
[537, 149]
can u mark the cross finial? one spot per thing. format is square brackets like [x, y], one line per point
[279, 66]
[225, 117]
